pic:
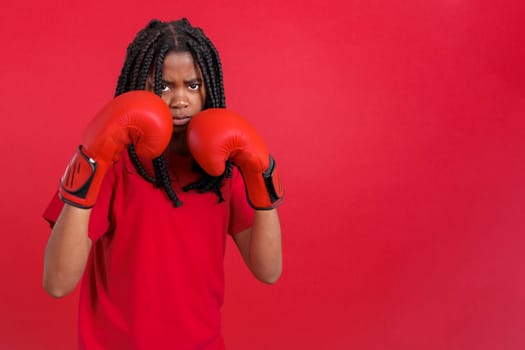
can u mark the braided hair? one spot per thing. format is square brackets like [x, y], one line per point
[144, 58]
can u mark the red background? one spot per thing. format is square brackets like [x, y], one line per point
[399, 131]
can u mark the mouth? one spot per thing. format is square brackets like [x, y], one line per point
[181, 120]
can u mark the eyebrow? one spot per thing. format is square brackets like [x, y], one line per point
[193, 80]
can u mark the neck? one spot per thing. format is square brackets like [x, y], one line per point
[178, 145]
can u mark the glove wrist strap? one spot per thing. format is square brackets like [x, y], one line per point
[77, 180]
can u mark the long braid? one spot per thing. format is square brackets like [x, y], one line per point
[144, 57]
[142, 64]
[161, 172]
[158, 68]
[141, 44]
[138, 165]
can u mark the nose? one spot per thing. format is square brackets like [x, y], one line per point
[177, 99]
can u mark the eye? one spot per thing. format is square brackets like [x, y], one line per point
[164, 87]
[194, 86]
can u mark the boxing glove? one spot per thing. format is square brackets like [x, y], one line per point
[216, 135]
[138, 117]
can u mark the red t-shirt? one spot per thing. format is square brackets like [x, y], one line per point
[155, 275]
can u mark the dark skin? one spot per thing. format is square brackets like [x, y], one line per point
[68, 246]
[184, 92]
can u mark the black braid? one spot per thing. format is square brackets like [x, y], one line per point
[138, 165]
[210, 183]
[161, 172]
[142, 64]
[158, 69]
[145, 56]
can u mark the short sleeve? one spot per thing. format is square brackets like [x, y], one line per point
[53, 210]
[241, 213]
[99, 222]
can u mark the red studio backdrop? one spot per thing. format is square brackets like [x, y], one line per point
[400, 135]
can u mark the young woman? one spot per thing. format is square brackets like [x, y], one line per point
[163, 175]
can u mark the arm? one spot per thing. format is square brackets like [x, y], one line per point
[137, 117]
[216, 135]
[67, 251]
[260, 246]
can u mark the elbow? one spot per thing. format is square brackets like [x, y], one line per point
[56, 293]
[269, 277]
[267, 272]
[54, 288]
[270, 281]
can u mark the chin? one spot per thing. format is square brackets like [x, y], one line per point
[177, 129]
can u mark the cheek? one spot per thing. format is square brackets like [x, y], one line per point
[165, 99]
[198, 99]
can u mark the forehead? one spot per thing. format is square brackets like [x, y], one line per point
[180, 65]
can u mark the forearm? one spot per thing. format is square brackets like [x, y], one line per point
[217, 134]
[67, 251]
[265, 249]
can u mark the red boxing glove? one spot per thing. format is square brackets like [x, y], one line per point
[138, 117]
[218, 134]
